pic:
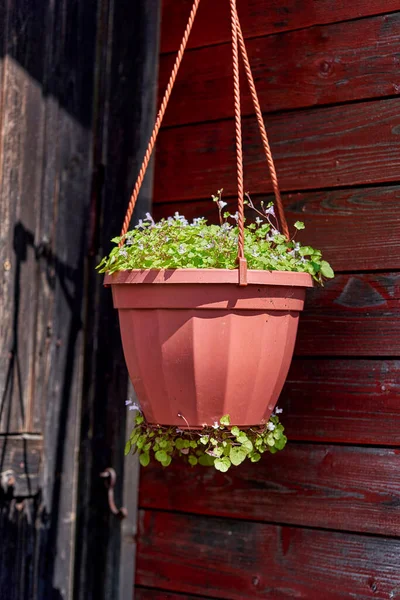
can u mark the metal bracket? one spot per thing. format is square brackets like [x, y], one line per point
[110, 477]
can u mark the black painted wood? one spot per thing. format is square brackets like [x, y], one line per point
[77, 84]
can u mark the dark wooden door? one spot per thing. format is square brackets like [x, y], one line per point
[76, 79]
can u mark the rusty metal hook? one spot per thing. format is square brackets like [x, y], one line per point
[110, 477]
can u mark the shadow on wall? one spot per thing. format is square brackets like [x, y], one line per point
[28, 531]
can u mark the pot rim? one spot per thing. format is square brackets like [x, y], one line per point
[208, 276]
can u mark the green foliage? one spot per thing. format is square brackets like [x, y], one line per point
[174, 243]
[219, 445]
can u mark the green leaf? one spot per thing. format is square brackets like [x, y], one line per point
[237, 456]
[270, 440]
[222, 464]
[225, 420]
[139, 419]
[299, 225]
[255, 457]
[167, 461]
[204, 439]
[327, 270]
[128, 447]
[281, 443]
[161, 455]
[179, 443]
[247, 445]
[192, 460]
[235, 431]
[144, 459]
[206, 460]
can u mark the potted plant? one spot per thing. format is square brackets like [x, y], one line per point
[197, 345]
[209, 313]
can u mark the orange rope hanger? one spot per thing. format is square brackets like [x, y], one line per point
[237, 42]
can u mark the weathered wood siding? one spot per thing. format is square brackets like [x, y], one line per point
[45, 180]
[321, 519]
[77, 91]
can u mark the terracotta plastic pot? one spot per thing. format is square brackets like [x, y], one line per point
[198, 346]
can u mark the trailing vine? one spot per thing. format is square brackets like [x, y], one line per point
[219, 445]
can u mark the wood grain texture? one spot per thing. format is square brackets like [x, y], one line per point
[21, 457]
[212, 23]
[342, 488]
[350, 226]
[347, 401]
[239, 560]
[324, 147]
[352, 315]
[20, 199]
[45, 174]
[322, 65]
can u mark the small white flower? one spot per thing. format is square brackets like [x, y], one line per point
[150, 218]
[270, 211]
[170, 220]
[140, 224]
[140, 246]
[296, 247]
[255, 253]
[133, 406]
[123, 253]
[259, 221]
[129, 242]
[197, 221]
[221, 204]
[225, 227]
[278, 410]
[216, 425]
[181, 219]
[181, 249]
[235, 216]
[128, 402]
[270, 426]
[303, 260]
[210, 245]
[179, 430]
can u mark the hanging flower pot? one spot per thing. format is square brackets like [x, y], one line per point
[199, 346]
[209, 314]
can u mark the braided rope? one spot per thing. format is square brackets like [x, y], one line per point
[160, 116]
[239, 149]
[267, 149]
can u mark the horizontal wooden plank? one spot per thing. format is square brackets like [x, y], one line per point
[351, 226]
[342, 488]
[212, 23]
[321, 65]
[352, 315]
[348, 401]
[240, 560]
[313, 149]
[142, 593]
[20, 458]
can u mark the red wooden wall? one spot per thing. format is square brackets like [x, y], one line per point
[320, 520]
